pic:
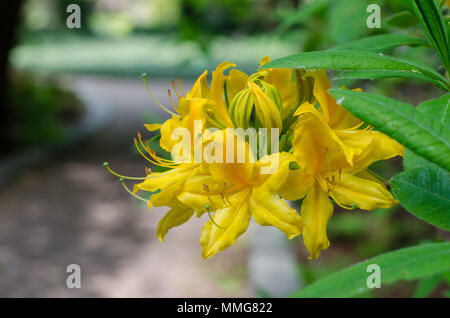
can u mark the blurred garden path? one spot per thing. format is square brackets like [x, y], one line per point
[71, 210]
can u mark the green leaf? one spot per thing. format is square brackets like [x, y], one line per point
[404, 264]
[425, 192]
[376, 74]
[380, 43]
[414, 129]
[427, 285]
[411, 160]
[432, 21]
[356, 60]
[439, 110]
[404, 19]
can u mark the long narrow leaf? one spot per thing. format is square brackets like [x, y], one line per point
[405, 264]
[355, 60]
[380, 43]
[377, 74]
[416, 130]
[432, 21]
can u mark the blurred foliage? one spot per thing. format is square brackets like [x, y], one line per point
[41, 110]
[157, 55]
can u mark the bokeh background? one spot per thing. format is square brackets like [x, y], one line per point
[72, 99]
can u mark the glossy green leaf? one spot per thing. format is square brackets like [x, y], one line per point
[425, 192]
[439, 110]
[404, 264]
[416, 130]
[377, 74]
[381, 43]
[432, 21]
[356, 60]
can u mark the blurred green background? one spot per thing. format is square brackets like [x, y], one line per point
[170, 38]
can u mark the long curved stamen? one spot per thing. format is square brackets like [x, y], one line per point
[340, 204]
[106, 165]
[136, 144]
[171, 101]
[155, 159]
[175, 89]
[130, 192]
[211, 218]
[144, 76]
[377, 176]
[206, 188]
[181, 88]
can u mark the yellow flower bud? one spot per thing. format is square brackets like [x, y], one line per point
[257, 106]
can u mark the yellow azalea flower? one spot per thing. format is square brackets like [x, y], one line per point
[334, 155]
[235, 192]
[329, 159]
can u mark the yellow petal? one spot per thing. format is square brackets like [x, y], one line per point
[381, 147]
[236, 81]
[200, 87]
[170, 183]
[217, 91]
[297, 185]
[233, 221]
[335, 115]
[316, 210]
[269, 209]
[176, 216]
[166, 142]
[152, 127]
[315, 146]
[354, 141]
[231, 170]
[366, 193]
[265, 108]
[289, 90]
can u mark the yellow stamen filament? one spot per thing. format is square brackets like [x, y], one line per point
[378, 177]
[155, 159]
[340, 204]
[171, 102]
[179, 84]
[144, 76]
[106, 165]
[130, 192]
[211, 218]
[223, 199]
[175, 89]
[206, 188]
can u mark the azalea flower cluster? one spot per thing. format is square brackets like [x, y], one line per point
[323, 156]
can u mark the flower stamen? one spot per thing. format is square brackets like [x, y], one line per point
[144, 76]
[130, 192]
[106, 165]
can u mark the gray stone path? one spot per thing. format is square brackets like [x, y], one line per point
[71, 210]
